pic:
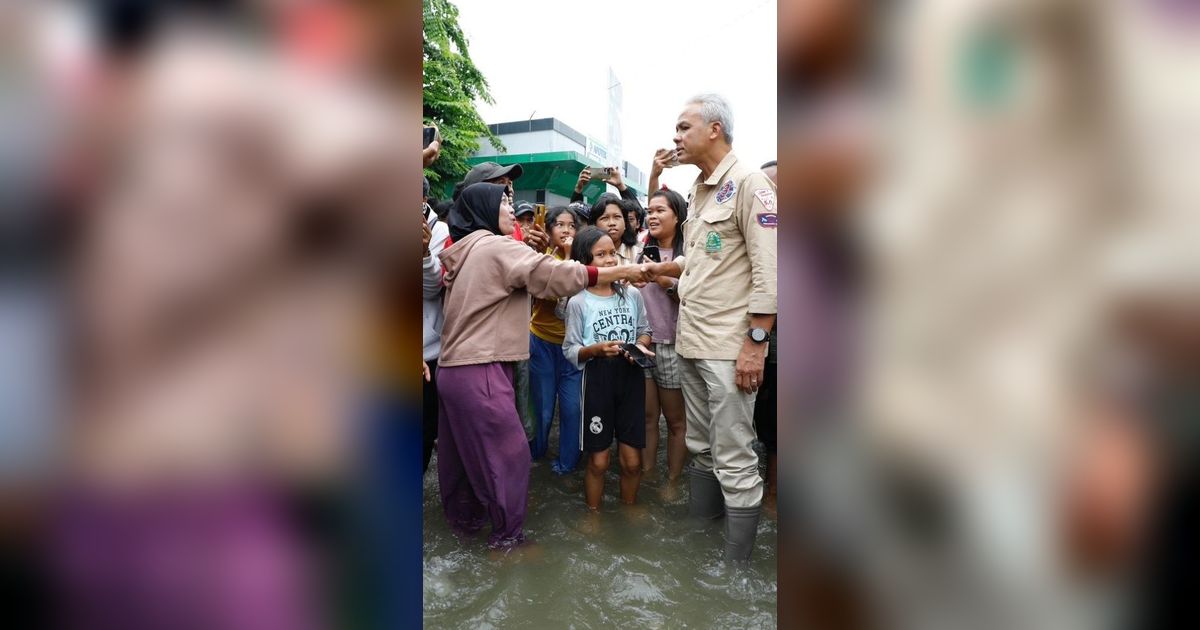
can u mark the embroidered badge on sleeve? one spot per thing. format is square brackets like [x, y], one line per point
[768, 220]
[767, 197]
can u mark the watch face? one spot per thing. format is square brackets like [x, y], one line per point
[758, 335]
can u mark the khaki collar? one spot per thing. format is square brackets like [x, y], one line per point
[722, 168]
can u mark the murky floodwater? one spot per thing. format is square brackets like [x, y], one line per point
[649, 567]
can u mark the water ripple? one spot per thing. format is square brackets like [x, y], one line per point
[649, 567]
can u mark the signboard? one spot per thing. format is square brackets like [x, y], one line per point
[597, 152]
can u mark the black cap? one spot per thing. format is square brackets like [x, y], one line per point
[581, 210]
[425, 188]
[487, 171]
[524, 208]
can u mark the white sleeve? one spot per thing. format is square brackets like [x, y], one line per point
[431, 277]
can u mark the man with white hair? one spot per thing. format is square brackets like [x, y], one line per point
[727, 306]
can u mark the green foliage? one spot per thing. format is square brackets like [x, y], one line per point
[452, 84]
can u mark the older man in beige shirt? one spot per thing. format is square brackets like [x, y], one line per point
[727, 308]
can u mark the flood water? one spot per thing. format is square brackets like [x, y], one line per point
[646, 567]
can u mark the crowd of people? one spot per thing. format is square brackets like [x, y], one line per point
[607, 317]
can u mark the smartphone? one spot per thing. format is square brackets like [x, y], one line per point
[539, 215]
[429, 134]
[638, 356]
[599, 171]
[650, 252]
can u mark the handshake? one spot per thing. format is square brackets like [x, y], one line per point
[644, 273]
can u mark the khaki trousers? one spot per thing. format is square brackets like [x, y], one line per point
[720, 428]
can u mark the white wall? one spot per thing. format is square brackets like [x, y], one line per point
[531, 142]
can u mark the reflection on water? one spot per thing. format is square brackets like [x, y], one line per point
[649, 567]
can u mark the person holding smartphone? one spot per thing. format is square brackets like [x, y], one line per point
[483, 455]
[727, 308]
[431, 146]
[600, 321]
[612, 175]
[663, 159]
[664, 220]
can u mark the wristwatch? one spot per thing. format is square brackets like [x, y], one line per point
[759, 335]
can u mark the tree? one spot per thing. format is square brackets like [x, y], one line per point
[451, 86]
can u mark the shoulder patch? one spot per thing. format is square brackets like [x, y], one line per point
[726, 192]
[767, 197]
[768, 220]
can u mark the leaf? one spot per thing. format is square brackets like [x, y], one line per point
[452, 86]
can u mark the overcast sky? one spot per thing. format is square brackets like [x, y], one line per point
[549, 58]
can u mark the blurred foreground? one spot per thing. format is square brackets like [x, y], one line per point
[994, 304]
[990, 306]
[203, 421]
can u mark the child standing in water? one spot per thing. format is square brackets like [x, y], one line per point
[599, 321]
[552, 376]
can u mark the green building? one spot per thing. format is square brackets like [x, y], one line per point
[551, 154]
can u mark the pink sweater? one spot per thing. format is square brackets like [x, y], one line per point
[489, 279]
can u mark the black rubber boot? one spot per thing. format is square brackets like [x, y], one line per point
[705, 499]
[741, 527]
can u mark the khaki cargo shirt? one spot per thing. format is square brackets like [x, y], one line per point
[729, 260]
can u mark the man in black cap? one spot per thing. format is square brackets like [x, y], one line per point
[525, 213]
[493, 173]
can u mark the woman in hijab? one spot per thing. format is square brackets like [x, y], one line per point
[483, 454]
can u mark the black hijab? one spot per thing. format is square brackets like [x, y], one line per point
[478, 208]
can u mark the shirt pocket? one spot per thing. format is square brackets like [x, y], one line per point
[718, 232]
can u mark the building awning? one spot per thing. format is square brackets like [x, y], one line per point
[556, 172]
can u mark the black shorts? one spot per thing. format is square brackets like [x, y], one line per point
[614, 403]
